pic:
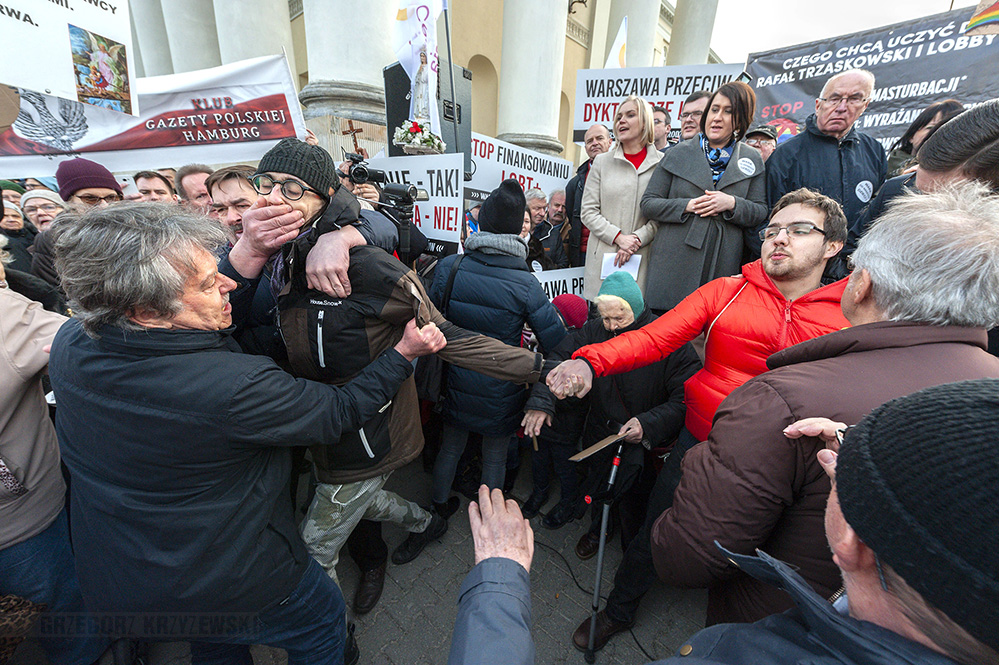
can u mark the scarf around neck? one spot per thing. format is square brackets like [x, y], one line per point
[504, 244]
[717, 157]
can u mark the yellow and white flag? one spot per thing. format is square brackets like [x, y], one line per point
[616, 54]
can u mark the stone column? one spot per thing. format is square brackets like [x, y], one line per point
[250, 34]
[643, 18]
[598, 33]
[531, 73]
[347, 52]
[190, 29]
[140, 70]
[691, 38]
[151, 37]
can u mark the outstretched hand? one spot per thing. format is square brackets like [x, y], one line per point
[570, 378]
[499, 529]
[533, 421]
[822, 428]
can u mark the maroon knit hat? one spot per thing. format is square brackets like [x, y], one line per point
[573, 309]
[76, 174]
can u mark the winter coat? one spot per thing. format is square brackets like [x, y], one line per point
[551, 241]
[748, 487]
[611, 205]
[688, 250]
[745, 319]
[850, 171]
[892, 188]
[573, 208]
[37, 289]
[32, 490]
[494, 626]
[653, 393]
[179, 447]
[18, 243]
[333, 339]
[493, 295]
[43, 258]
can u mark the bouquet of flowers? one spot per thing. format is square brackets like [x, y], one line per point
[416, 138]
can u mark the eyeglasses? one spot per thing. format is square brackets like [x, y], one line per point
[657, 121]
[691, 114]
[292, 190]
[92, 200]
[48, 207]
[794, 230]
[836, 100]
[756, 143]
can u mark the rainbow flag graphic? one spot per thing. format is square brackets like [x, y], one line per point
[987, 16]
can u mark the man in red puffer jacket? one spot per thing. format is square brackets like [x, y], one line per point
[777, 302]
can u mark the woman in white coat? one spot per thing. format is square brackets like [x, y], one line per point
[611, 207]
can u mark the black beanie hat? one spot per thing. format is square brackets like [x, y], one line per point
[503, 211]
[918, 481]
[309, 162]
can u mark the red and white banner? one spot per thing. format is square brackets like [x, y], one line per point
[232, 113]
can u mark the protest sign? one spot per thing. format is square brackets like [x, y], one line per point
[915, 64]
[493, 161]
[440, 218]
[80, 50]
[557, 282]
[599, 91]
[231, 113]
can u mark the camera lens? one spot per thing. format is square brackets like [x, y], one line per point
[359, 174]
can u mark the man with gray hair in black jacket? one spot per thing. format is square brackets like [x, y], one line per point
[179, 445]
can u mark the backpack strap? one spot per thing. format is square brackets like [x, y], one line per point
[450, 285]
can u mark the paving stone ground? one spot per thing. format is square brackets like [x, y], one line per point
[412, 623]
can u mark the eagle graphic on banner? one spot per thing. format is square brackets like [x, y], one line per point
[42, 126]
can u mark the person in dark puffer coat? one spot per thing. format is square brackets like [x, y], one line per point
[493, 294]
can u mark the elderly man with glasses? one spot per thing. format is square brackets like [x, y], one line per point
[829, 155]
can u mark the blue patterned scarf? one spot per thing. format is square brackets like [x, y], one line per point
[717, 157]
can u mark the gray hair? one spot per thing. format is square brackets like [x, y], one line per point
[862, 72]
[113, 261]
[535, 194]
[552, 193]
[5, 256]
[934, 258]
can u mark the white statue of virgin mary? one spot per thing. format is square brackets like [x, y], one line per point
[419, 106]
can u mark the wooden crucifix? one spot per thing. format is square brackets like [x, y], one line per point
[353, 132]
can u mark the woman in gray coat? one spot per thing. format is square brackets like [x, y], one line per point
[703, 194]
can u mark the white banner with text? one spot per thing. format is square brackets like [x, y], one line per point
[599, 91]
[441, 217]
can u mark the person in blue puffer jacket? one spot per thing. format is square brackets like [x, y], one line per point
[493, 293]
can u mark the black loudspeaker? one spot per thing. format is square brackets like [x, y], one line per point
[397, 92]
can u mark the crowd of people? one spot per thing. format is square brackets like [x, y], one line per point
[209, 376]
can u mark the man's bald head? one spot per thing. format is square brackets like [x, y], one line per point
[596, 140]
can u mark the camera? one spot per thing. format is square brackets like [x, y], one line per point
[359, 172]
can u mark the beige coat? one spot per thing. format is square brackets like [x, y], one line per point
[611, 205]
[31, 485]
